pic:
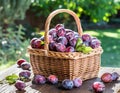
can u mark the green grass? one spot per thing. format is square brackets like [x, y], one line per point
[6, 65]
[110, 40]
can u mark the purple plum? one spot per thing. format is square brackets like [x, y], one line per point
[60, 47]
[58, 26]
[95, 43]
[25, 74]
[70, 49]
[62, 40]
[61, 32]
[25, 66]
[73, 41]
[86, 37]
[39, 79]
[67, 84]
[20, 85]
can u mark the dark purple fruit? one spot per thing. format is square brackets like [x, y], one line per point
[25, 66]
[69, 35]
[106, 77]
[39, 79]
[38, 43]
[32, 42]
[62, 40]
[61, 32]
[95, 43]
[77, 82]
[70, 49]
[53, 32]
[20, 85]
[53, 79]
[115, 76]
[60, 47]
[86, 37]
[52, 46]
[67, 84]
[58, 26]
[73, 42]
[98, 87]
[25, 74]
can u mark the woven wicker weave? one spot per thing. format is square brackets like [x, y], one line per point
[65, 65]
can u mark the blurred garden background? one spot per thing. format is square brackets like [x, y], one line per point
[21, 20]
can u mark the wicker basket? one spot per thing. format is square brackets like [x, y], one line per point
[62, 64]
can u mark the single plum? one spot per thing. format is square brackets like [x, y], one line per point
[52, 46]
[38, 43]
[73, 41]
[39, 79]
[86, 37]
[60, 47]
[53, 32]
[95, 43]
[70, 49]
[98, 87]
[106, 77]
[32, 42]
[62, 40]
[69, 35]
[77, 82]
[115, 76]
[61, 32]
[51, 38]
[53, 79]
[25, 66]
[58, 26]
[20, 85]
[67, 84]
[25, 74]
[20, 61]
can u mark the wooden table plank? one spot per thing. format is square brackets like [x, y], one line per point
[47, 88]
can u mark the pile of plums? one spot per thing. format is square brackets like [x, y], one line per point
[99, 87]
[66, 40]
[23, 75]
[66, 84]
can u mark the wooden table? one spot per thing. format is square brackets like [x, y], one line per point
[47, 88]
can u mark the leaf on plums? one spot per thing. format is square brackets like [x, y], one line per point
[42, 33]
[87, 50]
[11, 79]
[78, 43]
[42, 43]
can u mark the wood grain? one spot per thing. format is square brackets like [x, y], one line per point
[47, 88]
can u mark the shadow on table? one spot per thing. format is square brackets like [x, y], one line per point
[85, 88]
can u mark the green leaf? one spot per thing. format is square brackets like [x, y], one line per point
[78, 43]
[11, 78]
[87, 50]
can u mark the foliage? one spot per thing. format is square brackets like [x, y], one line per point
[110, 40]
[12, 44]
[12, 9]
[95, 10]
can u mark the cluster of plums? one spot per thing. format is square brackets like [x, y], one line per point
[23, 75]
[66, 84]
[99, 87]
[66, 40]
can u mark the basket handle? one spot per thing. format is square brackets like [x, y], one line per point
[48, 21]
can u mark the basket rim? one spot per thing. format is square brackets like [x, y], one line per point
[63, 55]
